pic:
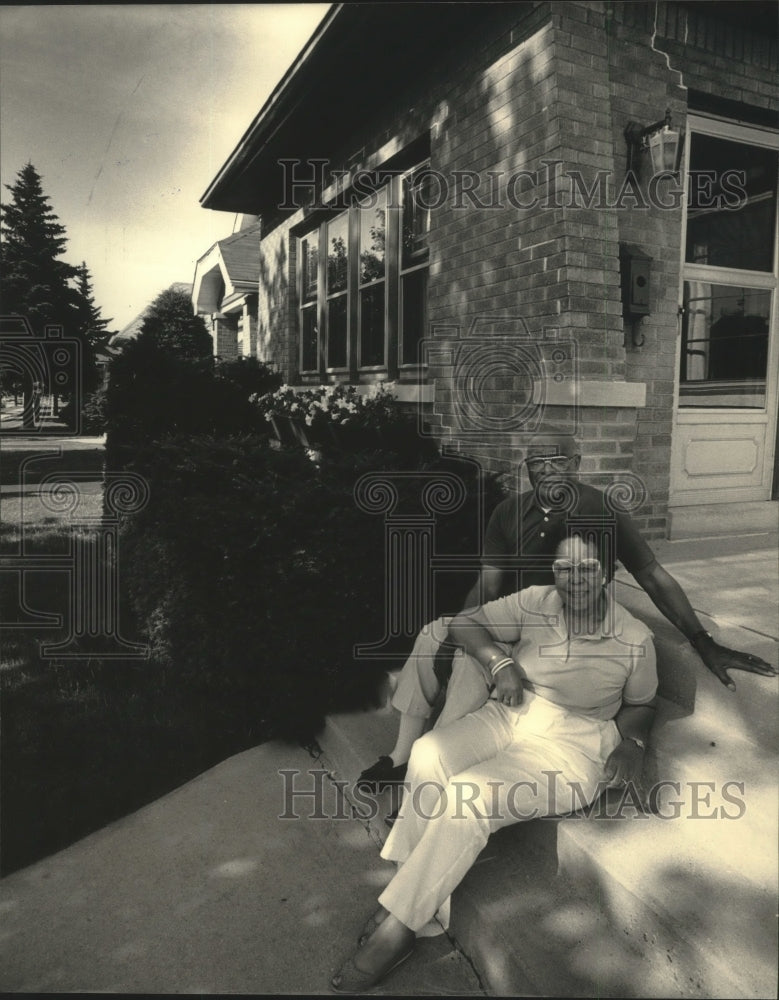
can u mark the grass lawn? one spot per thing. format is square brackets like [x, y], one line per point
[85, 741]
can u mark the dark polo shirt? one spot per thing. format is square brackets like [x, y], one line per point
[521, 537]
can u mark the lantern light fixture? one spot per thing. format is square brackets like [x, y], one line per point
[660, 139]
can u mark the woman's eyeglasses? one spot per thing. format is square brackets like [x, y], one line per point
[587, 567]
[559, 463]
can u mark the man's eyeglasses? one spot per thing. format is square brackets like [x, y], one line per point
[587, 567]
[558, 463]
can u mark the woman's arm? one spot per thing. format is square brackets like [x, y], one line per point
[635, 721]
[626, 762]
[471, 632]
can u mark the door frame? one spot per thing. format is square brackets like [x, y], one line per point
[769, 280]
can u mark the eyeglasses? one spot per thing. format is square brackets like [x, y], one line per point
[558, 463]
[587, 567]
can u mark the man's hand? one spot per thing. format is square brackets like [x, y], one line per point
[508, 686]
[720, 659]
[625, 764]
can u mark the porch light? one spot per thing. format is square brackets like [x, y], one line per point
[659, 138]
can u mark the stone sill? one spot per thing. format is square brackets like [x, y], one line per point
[548, 392]
[404, 392]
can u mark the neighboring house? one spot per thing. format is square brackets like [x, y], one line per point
[133, 328]
[103, 359]
[224, 291]
[449, 200]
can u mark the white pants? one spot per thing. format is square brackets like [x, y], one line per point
[495, 767]
[467, 688]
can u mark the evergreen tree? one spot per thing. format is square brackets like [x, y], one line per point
[173, 327]
[34, 282]
[92, 326]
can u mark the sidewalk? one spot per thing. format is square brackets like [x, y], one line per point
[206, 891]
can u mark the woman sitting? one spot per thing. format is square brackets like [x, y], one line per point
[573, 701]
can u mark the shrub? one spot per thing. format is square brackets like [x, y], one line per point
[93, 417]
[154, 392]
[250, 376]
[339, 417]
[253, 572]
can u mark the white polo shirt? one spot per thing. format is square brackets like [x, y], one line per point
[592, 674]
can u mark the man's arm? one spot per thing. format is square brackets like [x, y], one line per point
[672, 601]
[486, 587]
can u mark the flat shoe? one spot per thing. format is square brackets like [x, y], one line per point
[381, 774]
[354, 980]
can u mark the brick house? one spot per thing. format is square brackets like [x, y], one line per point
[224, 290]
[449, 200]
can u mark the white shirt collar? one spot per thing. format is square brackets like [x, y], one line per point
[612, 624]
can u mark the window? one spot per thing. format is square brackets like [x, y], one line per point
[729, 270]
[337, 241]
[413, 262]
[309, 283]
[725, 345]
[362, 303]
[373, 235]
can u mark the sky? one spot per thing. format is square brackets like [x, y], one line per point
[128, 112]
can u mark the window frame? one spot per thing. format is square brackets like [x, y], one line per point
[717, 275]
[393, 366]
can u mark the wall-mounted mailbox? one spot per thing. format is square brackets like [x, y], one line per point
[635, 270]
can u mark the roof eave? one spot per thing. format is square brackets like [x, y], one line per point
[271, 107]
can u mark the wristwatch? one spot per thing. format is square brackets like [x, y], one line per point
[637, 741]
[698, 634]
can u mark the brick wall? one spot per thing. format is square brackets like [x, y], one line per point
[225, 336]
[538, 85]
[277, 337]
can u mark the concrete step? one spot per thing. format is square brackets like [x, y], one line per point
[712, 929]
[724, 786]
[703, 520]
[528, 928]
[752, 710]
[695, 884]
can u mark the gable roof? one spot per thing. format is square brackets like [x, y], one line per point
[228, 268]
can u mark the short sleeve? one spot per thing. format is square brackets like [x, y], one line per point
[505, 618]
[641, 686]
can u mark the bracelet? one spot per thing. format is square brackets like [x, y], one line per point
[505, 662]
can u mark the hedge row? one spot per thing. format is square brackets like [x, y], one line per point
[153, 392]
[255, 572]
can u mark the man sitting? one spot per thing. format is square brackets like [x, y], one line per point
[522, 535]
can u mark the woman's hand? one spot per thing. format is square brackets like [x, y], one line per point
[625, 764]
[508, 686]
